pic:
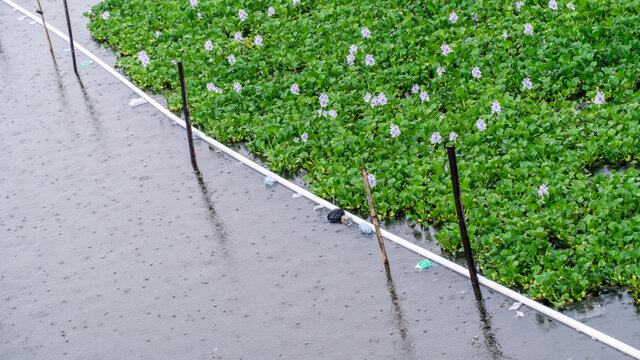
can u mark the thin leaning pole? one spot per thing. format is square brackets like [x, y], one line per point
[374, 216]
[187, 117]
[44, 24]
[453, 166]
[73, 49]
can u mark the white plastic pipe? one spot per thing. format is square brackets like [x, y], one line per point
[553, 314]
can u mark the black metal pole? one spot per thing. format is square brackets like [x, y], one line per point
[73, 49]
[185, 107]
[453, 166]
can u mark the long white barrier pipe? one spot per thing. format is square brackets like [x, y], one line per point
[580, 327]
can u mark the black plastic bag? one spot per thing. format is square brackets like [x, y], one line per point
[335, 216]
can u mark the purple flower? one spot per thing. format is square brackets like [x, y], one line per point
[382, 100]
[526, 84]
[144, 58]
[106, 15]
[367, 97]
[395, 131]
[258, 41]
[374, 101]
[453, 136]
[295, 89]
[440, 71]
[495, 108]
[350, 59]
[553, 5]
[424, 97]
[474, 17]
[194, 3]
[295, 139]
[322, 112]
[445, 49]
[158, 33]
[296, 2]
[237, 36]
[543, 190]
[243, 15]
[199, 15]
[237, 87]
[505, 35]
[519, 4]
[372, 180]
[208, 45]
[231, 59]
[481, 125]
[436, 138]
[353, 50]
[476, 72]
[365, 33]
[599, 99]
[213, 88]
[528, 29]
[369, 60]
[415, 89]
[443, 116]
[304, 137]
[571, 7]
[333, 114]
[323, 99]
[271, 11]
[453, 17]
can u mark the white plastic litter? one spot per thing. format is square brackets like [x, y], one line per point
[296, 195]
[21, 18]
[137, 102]
[516, 305]
[519, 313]
[366, 229]
[318, 207]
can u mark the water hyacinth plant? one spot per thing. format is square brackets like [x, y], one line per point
[583, 112]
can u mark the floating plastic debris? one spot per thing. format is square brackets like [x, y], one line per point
[89, 63]
[135, 102]
[335, 216]
[346, 220]
[516, 305]
[366, 229]
[296, 195]
[318, 207]
[519, 313]
[21, 18]
[423, 264]
[269, 181]
[33, 22]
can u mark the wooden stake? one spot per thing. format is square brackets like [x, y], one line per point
[46, 31]
[374, 217]
[187, 117]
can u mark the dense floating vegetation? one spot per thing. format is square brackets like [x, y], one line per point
[531, 93]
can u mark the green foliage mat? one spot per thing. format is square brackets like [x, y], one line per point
[580, 238]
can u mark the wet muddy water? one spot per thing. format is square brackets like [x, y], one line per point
[111, 247]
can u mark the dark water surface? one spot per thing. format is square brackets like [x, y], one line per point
[111, 247]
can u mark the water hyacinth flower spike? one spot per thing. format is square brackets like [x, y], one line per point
[369, 60]
[323, 99]
[237, 36]
[194, 3]
[476, 72]
[237, 87]
[481, 125]
[446, 50]
[453, 17]
[519, 4]
[424, 97]
[453, 136]
[144, 58]
[372, 180]
[350, 59]
[106, 15]
[436, 138]
[304, 137]
[394, 131]
[553, 5]
[526, 84]
[496, 108]
[440, 71]
[365, 33]
[528, 29]
[415, 89]
[258, 40]
[271, 11]
[295, 89]
[599, 99]
[543, 190]
[208, 45]
[243, 15]
[231, 59]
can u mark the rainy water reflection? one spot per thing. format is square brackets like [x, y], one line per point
[405, 346]
[491, 343]
[220, 231]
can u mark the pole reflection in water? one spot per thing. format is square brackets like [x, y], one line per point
[220, 231]
[490, 342]
[97, 125]
[405, 346]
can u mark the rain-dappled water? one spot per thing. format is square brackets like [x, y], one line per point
[113, 248]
